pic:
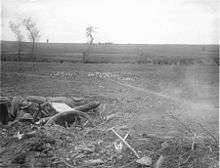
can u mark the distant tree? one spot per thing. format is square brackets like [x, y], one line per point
[90, 35]
[15, 28]
[33, 33]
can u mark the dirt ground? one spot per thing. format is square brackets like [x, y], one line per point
[146, 98]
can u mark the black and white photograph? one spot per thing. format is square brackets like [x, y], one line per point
[109, 83]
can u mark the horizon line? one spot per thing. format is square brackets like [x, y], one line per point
[111, 43]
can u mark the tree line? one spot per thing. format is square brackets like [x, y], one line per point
[33, 33]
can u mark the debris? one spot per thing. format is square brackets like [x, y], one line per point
[18, 135]
[33, 109]
[36, 99]
[61, 107]
[77, 99]
[70, 102]
[26, 117]
[164, 145]
[125, 142]
[118, 146]
[94, 161]
[25, 105]
[87, 107]
[68, 116]
[15, 105]
[126, 135]
[146, 160]
[86, 148]
[42, 120]
[109, 117]
[20, 113]
[159, 162]
[42, 108]
[29, 134]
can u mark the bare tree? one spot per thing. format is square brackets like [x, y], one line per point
[90, 35]
[33, 32]
[15, 28]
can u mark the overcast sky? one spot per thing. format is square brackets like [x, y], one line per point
[117, 21]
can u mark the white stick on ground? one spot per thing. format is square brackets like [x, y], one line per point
[125, 142]
[125, 137]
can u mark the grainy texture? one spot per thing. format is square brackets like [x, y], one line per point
[141, 96]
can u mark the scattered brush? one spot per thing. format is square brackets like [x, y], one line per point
[191, 152]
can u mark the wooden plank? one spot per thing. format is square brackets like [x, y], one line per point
[61, 107]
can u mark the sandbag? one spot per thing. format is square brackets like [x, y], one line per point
[36, 99]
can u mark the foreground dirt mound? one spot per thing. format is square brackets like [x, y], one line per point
[27, 149]
[56, 146]
[107, 143]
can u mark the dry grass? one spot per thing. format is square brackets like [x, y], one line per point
[55, 146]
[128, 104]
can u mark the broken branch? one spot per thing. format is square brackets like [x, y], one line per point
[125, 142]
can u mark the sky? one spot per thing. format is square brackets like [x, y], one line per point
[116, 21]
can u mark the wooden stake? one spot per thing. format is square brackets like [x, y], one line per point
[125, 142]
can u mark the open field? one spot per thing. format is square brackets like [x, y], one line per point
[109, 84]
[116, 53]
[146, 100]
[143, 95]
